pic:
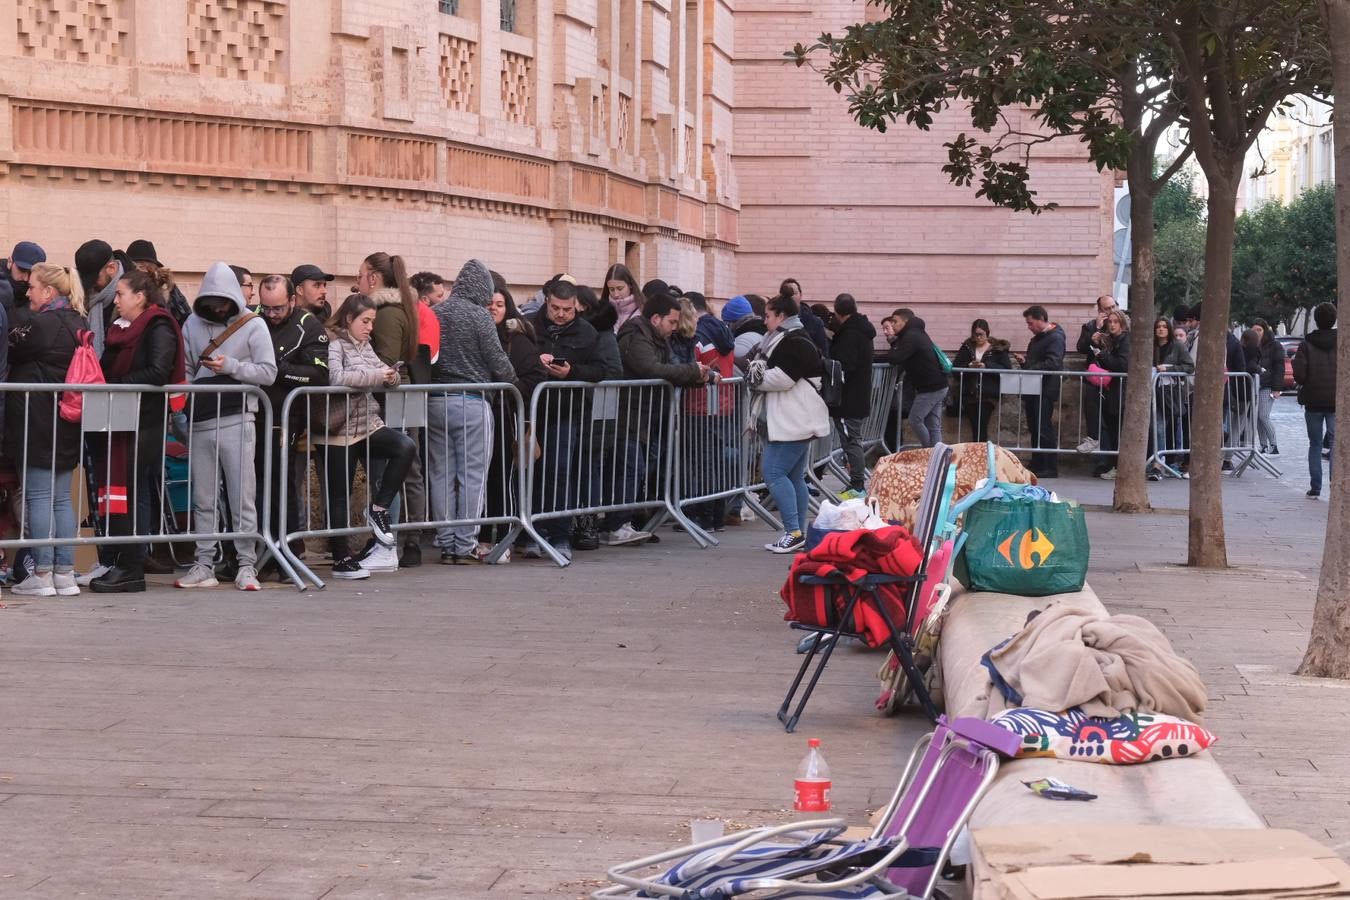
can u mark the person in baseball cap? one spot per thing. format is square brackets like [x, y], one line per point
[14, 277]
[310, 284]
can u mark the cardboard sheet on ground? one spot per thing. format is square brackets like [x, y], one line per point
[1079, 862]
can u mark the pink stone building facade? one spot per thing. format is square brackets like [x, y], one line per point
[541, 137]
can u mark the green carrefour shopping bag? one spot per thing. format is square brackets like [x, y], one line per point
[1027, 547]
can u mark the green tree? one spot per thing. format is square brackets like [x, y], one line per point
[1260, 247]
[1026, 72]
[1284, 257]
[1328, 653]
[1178, 220]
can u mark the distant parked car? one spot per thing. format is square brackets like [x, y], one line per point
[1291, 345]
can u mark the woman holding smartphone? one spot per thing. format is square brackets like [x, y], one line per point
[349, 429]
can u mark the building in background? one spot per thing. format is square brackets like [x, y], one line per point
[541, 137]
[1294, 153]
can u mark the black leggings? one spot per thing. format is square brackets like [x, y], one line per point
[394, 447]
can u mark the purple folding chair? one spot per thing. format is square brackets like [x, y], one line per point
[947, 773]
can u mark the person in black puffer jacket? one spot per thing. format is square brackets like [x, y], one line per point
[852, 349]
[980, 393]
[1272, 385]
[1315, 372]
[42, 342]
[914, 354]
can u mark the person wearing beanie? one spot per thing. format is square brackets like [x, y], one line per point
[1315, 372]
[100, 267]
[459, 424]
[224, 438]
[747, 329]
[14, 274]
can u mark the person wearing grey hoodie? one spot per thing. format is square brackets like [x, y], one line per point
[459, 424]
[224, 438]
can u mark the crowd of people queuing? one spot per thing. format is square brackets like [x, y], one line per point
[397, 327]
[1104, 343]
[282, 332]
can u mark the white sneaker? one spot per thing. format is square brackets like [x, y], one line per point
[35, 585]
[198, 576]
[626, 534]
[65, 584]
[380, 559]
[533, 550]
[98, 571]
[1089, 445]
[1108, 476]
[247, 579]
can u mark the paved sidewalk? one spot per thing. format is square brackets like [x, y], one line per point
[477, 732]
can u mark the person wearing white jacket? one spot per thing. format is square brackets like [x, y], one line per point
[789, 413]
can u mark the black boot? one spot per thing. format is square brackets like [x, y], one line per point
[120, 580]
[585, 536]
[412, 555]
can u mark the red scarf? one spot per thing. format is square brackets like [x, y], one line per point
[120, 354]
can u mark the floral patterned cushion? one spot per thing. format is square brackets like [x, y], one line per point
[1131, 738]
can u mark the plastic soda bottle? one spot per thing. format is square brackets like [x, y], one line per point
[811, 788]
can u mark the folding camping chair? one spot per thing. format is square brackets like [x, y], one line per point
[843, 596]
[947, 774]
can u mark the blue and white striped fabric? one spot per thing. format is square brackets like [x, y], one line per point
[784, 861]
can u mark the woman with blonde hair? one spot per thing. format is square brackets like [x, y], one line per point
[42, 341]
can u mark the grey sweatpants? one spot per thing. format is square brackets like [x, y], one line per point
[224, 447]
[459, 449]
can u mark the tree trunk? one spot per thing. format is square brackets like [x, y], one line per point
[1131, 492]
[1207, 545]
[1328, 654]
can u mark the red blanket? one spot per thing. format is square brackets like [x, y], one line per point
[854, 555]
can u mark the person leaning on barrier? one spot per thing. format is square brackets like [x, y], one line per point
[980, 393]
[459, 424]
[1272, 384]
[300, 343]
[1045, 353]
[350, 430]
[570, 349]
[1091, 335]
[789, 414]
[223, 439]
[42, 341]
[851, 347]
[144, 347]
[1315, 372]
[1113, 355]
[915, 355]
[644, 345]
[1172, 361]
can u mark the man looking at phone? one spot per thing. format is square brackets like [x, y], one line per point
[224, 344]
[1091, 335]
[301, 347]
[570, 351]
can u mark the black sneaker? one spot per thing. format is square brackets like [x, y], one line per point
[378, 520]
[412, 556]
[1311, 495]
[449, 559]
[788, 543]
[348, 568]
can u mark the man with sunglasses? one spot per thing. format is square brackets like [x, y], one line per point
[301, 346]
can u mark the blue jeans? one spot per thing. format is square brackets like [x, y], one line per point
[47, 506]
[459, 450]
[785, 475]
[1317, 422]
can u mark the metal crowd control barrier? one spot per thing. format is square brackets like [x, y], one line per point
[1024, 410]
[604, 449]
[467, 474]
[143, 466]
[827, 453]
[1170, 435]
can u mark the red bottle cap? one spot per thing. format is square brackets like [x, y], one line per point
[813, 742]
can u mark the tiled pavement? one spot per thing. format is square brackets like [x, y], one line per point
[466, 732]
